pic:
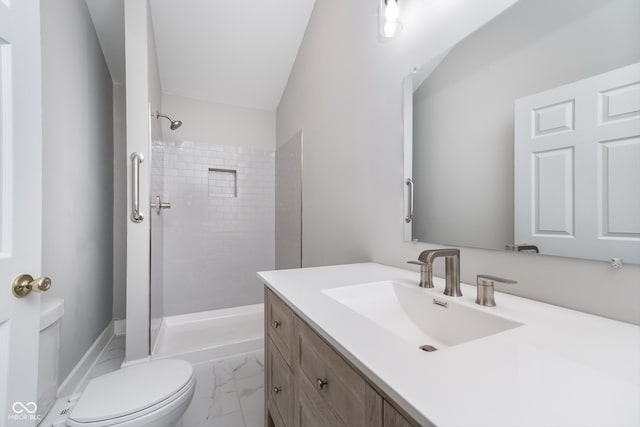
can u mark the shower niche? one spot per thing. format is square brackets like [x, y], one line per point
[222, 182]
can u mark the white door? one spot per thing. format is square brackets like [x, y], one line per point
[20, 206]
[577, 168]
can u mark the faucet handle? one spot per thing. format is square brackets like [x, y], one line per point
[426, 273]
[485, 285]
[486, 279]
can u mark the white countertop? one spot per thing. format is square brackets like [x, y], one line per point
[561, 368]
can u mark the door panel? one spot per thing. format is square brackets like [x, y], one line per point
[20, 206]
[619, 178]
[553, 194]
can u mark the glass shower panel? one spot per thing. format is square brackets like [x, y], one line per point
[288, 240]
[157, 218]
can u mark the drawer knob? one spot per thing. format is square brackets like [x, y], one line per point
[276, 324]
[322, 383]
[277, 390]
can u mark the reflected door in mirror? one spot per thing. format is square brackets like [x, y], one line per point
[578, 147]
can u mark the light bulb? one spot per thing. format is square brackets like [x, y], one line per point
[390, 28]
[392, 11]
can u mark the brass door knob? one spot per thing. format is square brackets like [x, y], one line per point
[24, 284]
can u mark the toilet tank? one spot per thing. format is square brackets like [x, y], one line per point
[51, 311]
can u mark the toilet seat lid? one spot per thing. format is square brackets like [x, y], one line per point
[131, 389]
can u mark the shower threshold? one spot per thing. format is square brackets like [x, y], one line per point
[210, 335]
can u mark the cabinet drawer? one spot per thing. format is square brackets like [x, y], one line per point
[311, 410]
[280, 382]
[279, 325]
[334, 382]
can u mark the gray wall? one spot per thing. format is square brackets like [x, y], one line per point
[466, 105]
[77, 250]
[345, 91]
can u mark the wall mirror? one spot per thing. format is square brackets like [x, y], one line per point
[525, 135]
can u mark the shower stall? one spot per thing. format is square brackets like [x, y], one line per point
[213, 226]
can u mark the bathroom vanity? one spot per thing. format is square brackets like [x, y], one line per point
[343, 348]
[308, 382]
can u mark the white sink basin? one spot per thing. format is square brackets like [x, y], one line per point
[414, 315]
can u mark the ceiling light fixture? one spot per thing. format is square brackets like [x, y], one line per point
[390, 18]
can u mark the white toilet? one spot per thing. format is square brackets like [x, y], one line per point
[155, 393]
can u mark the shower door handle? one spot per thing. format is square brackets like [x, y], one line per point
[409, 217]
[136, 159]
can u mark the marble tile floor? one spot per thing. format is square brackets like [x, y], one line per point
[229, 393]
[110, 360]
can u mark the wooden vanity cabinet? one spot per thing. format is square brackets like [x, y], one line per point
[279, 379]
[279, 324]
[326, 377]
[280, 390]
[393, 418]
[308, 383]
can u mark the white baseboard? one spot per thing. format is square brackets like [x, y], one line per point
[82, 369]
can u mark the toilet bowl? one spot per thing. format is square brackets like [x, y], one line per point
[155, 393]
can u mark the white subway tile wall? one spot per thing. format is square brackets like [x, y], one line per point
[213, 246]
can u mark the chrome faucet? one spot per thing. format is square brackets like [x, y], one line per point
[485, 289]
[452, 269]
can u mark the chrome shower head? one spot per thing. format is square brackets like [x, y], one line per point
[175, 124]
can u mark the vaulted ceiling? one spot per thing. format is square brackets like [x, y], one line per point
[236, 52]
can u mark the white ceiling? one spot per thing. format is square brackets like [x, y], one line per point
[237, 52]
